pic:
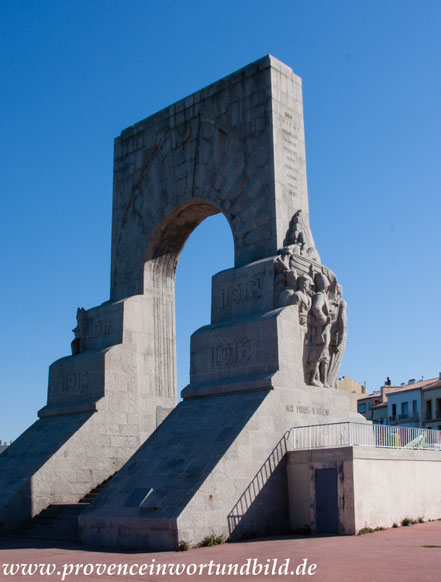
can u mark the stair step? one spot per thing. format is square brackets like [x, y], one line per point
[36, 531]
[59, 521]
[55, 520]
[92, 494]
[55, 535]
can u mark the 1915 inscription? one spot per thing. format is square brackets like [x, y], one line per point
[74, 383]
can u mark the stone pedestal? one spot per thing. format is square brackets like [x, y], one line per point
[102, 404]
[216, 465]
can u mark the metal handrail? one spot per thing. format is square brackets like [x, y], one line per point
[339, 434]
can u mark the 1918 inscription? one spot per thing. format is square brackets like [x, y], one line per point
[242, 292]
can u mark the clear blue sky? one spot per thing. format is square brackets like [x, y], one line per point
[75, 73]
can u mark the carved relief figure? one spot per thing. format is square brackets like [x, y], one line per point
[285, 275]
[299, 237]
[301, 280]
[302, 298]
[320, 335]
[338, 341]
[298, 293]
[80, 331]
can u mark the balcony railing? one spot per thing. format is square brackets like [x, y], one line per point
[404, 418]
[342, 434]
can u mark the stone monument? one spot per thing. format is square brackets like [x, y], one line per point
[269, 359]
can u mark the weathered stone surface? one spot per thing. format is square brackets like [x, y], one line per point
[102, 404]
[266, 362]
[216, 464]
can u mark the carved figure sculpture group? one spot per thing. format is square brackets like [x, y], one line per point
[301, 280]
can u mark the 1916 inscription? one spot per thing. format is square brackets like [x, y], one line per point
[231, 353]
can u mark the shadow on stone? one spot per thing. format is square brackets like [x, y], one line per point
[167, 470]
[262, 509]
[23, 459]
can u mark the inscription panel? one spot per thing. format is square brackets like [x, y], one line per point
[303, 409]
[75, 383]
[320, 411]
[289, 154]
[76, 379]
[103, 330]
[244, 350]
[223, 359]
[242, 291]
[97, 327]
[231, 353]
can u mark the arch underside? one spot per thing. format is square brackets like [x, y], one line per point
[160, 267]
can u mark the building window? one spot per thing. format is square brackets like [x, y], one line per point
[414, 407]
[394, 410]
[405, 409]
[362, 407]
[428, 409]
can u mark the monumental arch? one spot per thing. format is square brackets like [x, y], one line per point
[269, 359]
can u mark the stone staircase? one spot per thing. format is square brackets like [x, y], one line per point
[59, 521]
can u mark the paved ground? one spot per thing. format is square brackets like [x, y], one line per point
[393, 555]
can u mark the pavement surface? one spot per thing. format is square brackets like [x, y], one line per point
[410, 553]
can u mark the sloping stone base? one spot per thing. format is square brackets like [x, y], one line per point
[214, 466]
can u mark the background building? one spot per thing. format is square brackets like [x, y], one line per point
[431, 404]
[348, 384]
[404, 406]
[415, 404]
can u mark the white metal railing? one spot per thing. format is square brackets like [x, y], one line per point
[340, 434]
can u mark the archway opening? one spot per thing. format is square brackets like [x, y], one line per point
[209, 250]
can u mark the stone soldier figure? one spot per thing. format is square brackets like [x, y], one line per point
[302, 297]
[338, 342]
[320, 334]
[281, 267]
